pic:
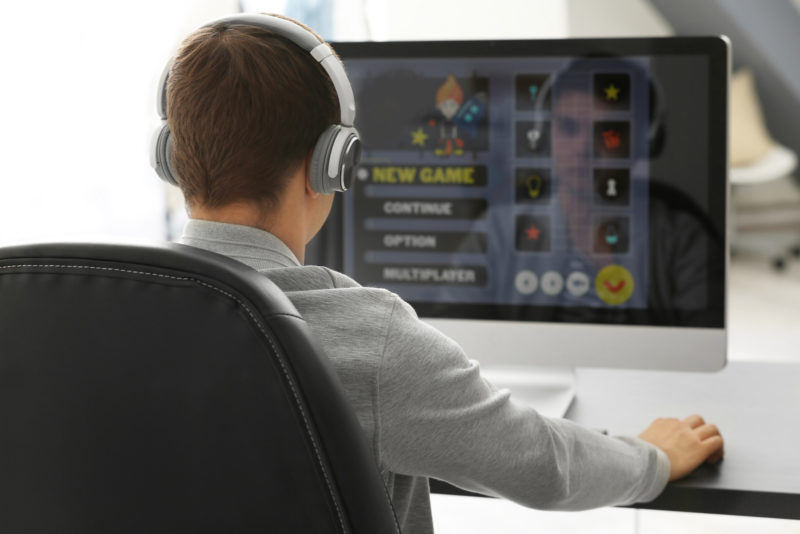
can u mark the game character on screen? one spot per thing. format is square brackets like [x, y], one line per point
[456, 117]
[449, 98]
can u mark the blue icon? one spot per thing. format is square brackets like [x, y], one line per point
[533, 90]
[612, 234]
[471, 113]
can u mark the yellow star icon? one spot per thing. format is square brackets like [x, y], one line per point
[418, 137]
[612, 93]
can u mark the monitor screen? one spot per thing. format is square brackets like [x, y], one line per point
[568, 182]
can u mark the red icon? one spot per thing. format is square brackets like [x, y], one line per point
[612, 139]
[614, 288]
[533, 232]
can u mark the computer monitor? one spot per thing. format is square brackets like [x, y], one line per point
[547, 202]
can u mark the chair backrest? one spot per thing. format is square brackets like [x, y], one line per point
[168, 389]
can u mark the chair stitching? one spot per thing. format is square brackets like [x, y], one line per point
[258, 324]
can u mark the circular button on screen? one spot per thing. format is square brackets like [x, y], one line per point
[526, 282]
[614, 284]
[578, 284]
[552, 283]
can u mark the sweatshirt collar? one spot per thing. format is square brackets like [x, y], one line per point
[241, 242]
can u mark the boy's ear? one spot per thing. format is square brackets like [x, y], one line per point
[307, 173]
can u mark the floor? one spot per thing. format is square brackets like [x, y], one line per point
[764, 315]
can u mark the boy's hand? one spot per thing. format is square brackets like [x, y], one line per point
[687, 443]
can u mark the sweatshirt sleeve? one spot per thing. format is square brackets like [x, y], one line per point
[439, 418]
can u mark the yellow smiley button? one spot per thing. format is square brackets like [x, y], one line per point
[614, 284]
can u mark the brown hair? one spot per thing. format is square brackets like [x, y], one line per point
[244, 108]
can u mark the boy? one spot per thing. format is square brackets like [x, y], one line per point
[246, 107]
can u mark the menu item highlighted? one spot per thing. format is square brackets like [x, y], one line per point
[432, 175]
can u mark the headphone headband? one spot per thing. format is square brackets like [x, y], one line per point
[338, 149]
[300, 36]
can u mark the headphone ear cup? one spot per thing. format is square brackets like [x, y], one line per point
[320, 160]
[161, 154]
[350, 157]
[657, 137]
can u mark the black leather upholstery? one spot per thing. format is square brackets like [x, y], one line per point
[169, 389]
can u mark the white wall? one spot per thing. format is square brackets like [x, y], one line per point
[615, 18]
[78, 109]
[469, 19]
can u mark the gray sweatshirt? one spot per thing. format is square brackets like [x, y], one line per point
[424, 406]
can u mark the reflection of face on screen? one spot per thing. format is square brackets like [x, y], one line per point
[572, 134]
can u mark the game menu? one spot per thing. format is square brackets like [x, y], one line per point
[518, 181]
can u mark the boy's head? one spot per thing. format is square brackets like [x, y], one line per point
[245, 108]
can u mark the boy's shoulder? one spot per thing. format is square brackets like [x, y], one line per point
[315, 278]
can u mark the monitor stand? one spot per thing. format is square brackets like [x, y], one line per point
[549, 390]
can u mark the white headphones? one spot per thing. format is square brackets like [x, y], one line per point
[338, 148]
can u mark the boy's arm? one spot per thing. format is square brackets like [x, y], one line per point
[439, 418]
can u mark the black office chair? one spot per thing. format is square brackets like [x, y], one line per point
[169, 389]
